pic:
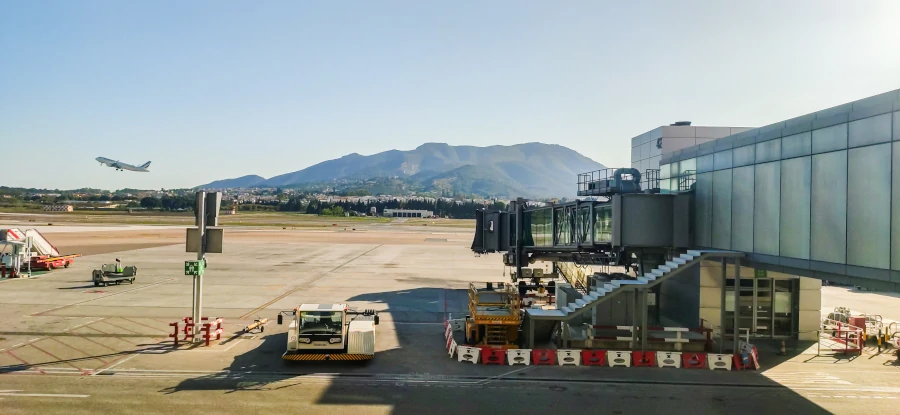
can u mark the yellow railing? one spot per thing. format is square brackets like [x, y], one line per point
[575, 274]
[497, 305]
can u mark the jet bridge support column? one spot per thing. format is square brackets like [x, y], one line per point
[722, 307]
[737, 303]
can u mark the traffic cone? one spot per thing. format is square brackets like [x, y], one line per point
[782, 352]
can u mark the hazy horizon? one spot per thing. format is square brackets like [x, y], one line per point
[210, 91]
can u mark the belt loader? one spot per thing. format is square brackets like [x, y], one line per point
[329, 332]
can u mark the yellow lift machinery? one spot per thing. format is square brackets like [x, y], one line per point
[493, 315]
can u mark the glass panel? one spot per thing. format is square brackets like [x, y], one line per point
[829, 139]
[744, 155]
[763, 308]
[768, 151]
[664, 171]
[897, 125]
[766, 207]
[603, 223]
[539, 228]
[869, 206]
[721, 215]
[687, 165]
[870, 130]
[703, 210]
[795, 188]
[796, 145]
[742, 209]
[705, 163]
[584, 224]
[722, 160]
[782, 309]
[828, 228]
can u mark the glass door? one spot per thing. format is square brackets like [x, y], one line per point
[762, 317]
[784, 317]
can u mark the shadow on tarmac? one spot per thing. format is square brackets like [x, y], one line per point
[414, 313]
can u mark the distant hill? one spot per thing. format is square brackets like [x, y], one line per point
[529, 170]
[240, 182]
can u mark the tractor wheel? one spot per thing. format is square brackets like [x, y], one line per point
[131, 281]
[96, 283]
[66, 265]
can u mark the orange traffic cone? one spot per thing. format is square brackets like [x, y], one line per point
[782, 352]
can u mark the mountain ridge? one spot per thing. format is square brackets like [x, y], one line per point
[529, 169]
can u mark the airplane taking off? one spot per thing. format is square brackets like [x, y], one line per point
[123, 166]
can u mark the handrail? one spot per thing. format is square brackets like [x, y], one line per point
[574, 275]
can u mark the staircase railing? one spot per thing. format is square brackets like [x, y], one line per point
[574, 274]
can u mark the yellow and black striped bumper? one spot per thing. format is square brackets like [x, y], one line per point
[325, 356]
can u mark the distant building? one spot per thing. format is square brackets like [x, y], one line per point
[373, 211]
[407, 213]
[229, 212]
[58, 208]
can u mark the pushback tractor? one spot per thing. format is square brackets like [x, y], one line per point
[329, 332]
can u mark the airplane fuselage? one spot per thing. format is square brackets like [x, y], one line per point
[118, 165]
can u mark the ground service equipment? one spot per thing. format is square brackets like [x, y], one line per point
[113, 274]
[330, 332]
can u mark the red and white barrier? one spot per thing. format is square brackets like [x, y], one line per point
[593, 357]
[643, 359]
[568, 357]
[490, 356]
[693, 360]
[618, 358]
[518, 357]
[718, 361]
[448, 331]
[668, 359]
[468, 354]
[543, 357]
[451, 350]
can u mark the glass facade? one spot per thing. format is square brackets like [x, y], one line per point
[830, 194]
[539, 227]
[603, 223]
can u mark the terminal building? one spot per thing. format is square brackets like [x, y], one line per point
[408, 213]
[733, 229]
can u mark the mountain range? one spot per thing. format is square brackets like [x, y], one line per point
[527, 170]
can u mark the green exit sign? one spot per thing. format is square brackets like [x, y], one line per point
[193, 267]
[760, 273]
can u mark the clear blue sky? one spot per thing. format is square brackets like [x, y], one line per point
[210, 90]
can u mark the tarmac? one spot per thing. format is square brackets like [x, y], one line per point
[67, 346]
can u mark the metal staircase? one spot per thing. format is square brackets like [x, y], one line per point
[575, 274]
[599, 294]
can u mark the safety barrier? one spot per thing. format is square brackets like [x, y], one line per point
[693, 360]
[674, 335]
[618, 358]
[668, 359]
[719, 361]
[491, 356]
[208, 330]
[543, 357]
[451, 348]
[568, 357]
[643, 359]
[518, 357]
[593, 357]
[468, 354]
[746, 358]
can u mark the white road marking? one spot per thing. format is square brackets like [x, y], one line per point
[116, 364]
[45, 395]
[17, 345]
[805, 378]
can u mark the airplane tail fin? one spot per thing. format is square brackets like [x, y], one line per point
[145, 165]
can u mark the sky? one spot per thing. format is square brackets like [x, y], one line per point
[211, 90]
